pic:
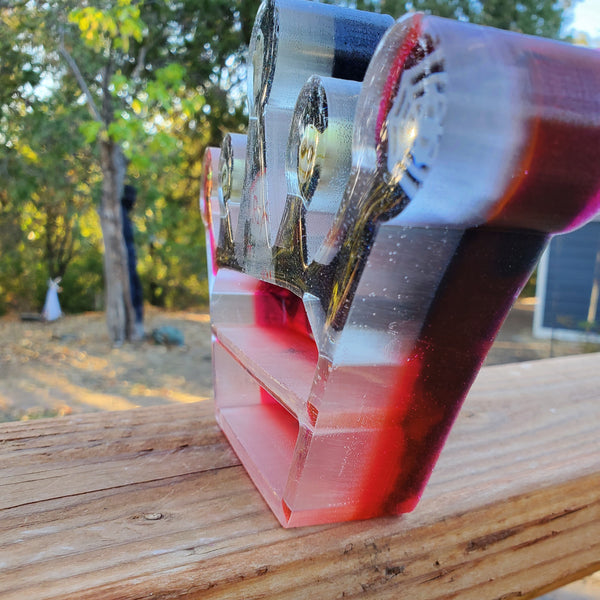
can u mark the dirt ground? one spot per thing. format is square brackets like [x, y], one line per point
[68, 366]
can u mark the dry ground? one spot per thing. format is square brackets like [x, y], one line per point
[68, 366]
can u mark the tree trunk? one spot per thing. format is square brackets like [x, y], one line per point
[119, 309]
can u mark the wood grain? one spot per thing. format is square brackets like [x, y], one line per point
[152, 503]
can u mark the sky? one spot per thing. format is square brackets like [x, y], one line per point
[586, 17]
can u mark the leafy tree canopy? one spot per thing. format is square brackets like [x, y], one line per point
[160, 77]
[534, 17]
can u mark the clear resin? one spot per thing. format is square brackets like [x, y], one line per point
[385, 223]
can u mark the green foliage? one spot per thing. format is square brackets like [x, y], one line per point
[48, 219]
[18, 68]
[162, 75]
[529, 290]
[90, 130]
[534, 17]
[169, 237]
[114, 26]
[83, 282]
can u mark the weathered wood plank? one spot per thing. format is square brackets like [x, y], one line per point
[152, 503]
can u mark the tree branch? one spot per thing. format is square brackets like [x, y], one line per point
[80, 80]
[106, 96]
[140, 63]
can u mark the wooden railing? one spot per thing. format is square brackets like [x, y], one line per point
[152, 503]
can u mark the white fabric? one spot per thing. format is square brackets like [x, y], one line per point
[51, 310]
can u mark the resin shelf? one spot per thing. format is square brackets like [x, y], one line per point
[368, 236]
